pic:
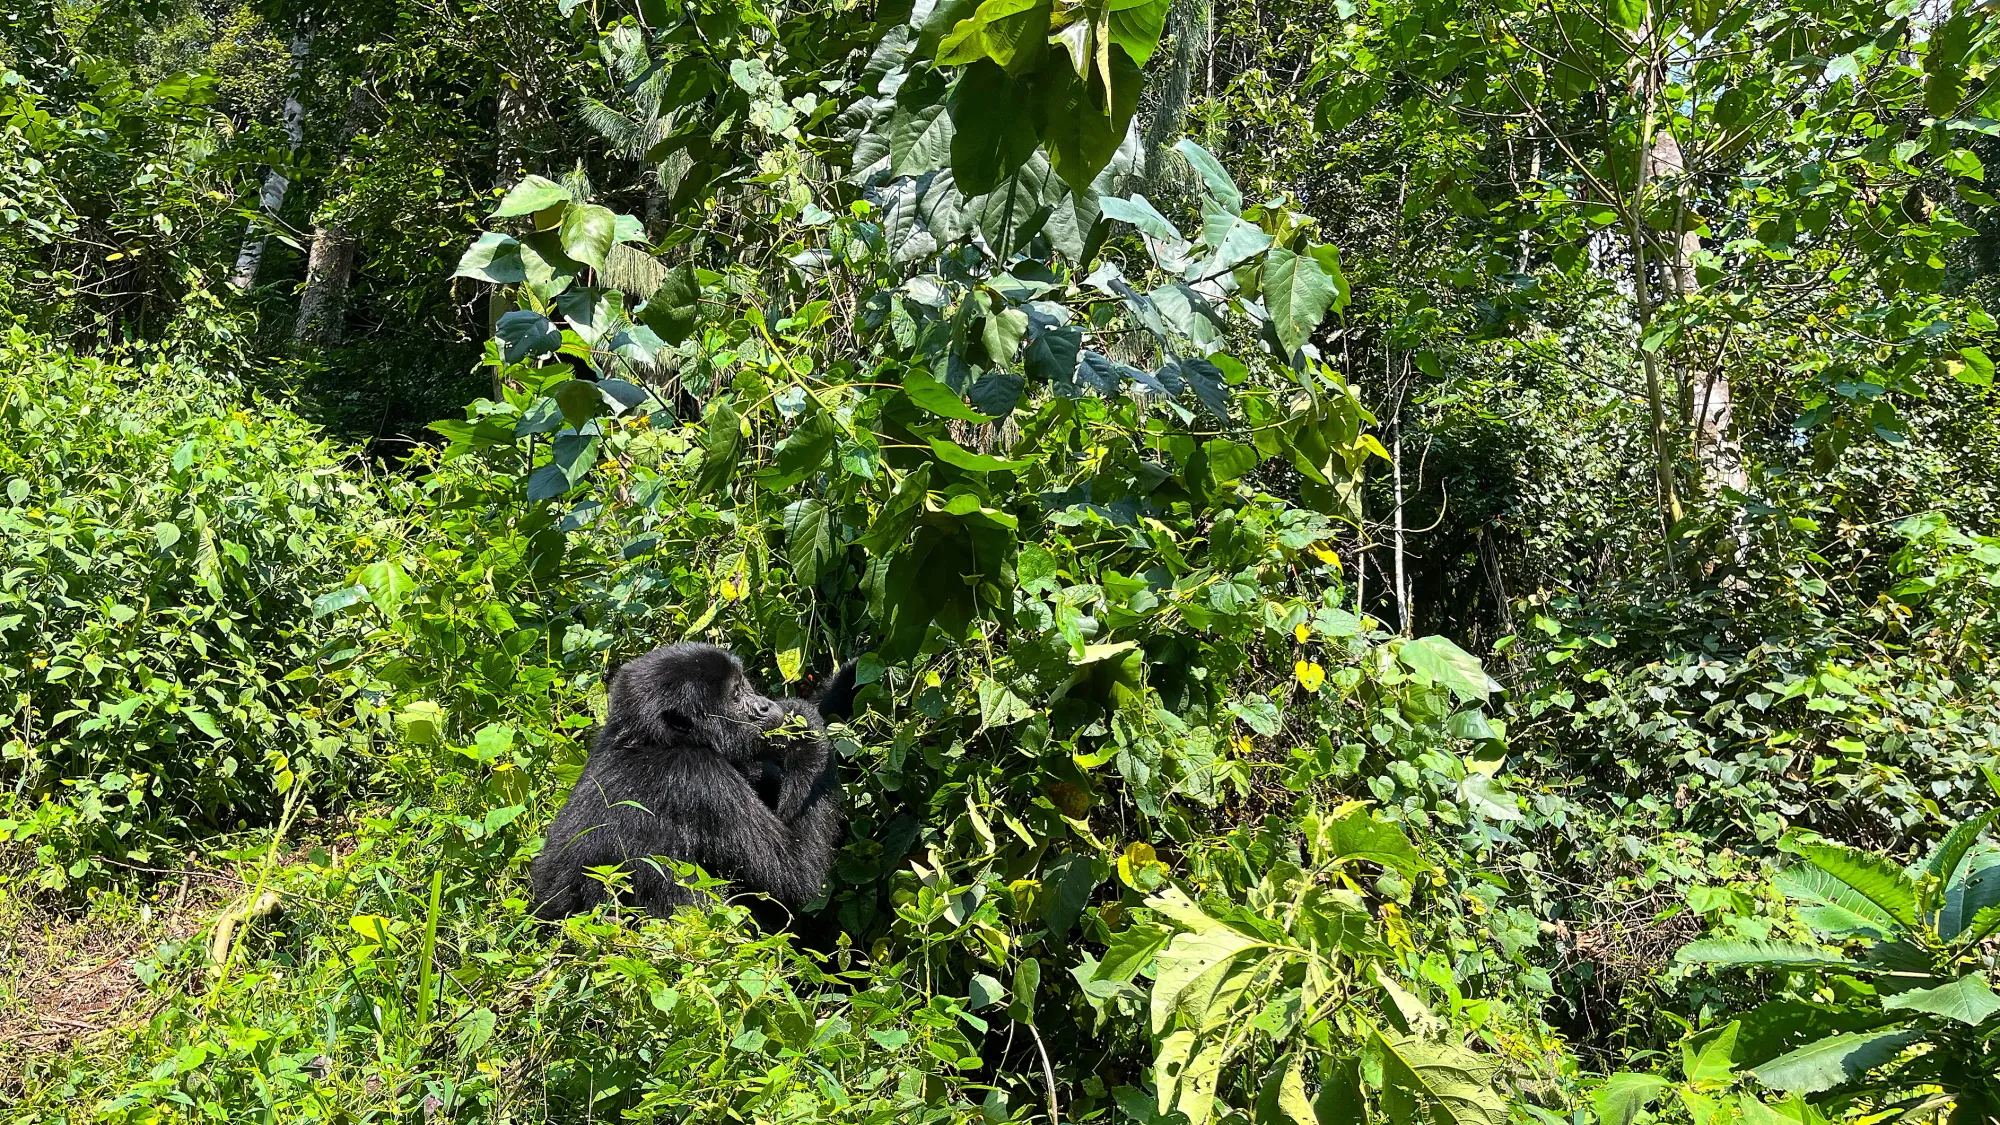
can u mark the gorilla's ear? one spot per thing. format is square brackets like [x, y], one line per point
[837, 701]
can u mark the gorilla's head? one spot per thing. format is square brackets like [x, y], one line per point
[694, 694]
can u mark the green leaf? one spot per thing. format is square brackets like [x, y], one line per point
[1448, 666]
[1808, 883]
[495, 257]
[1833, 1061]
[1136, 27]
[1969, 1000]
[895, 519]
[1187, 957]
[1943, 863]
[1027, 982]
[985, 992]
[1141, 213]
[524, 333]
[953, 453]
[205, 723]
[1624, 1095]
[1130, 949]
[165, 535]
[1628, 14]
[1283, 1096]
[993, 128]
[1356, 832]
[1455, 1084]
[1297, 293]
[588, 233]
[1012, 33]
[920, 139]
[532, 194]
[809, 540]
[1233, 240]
[1004, 330]
[722, 444]
[1221, 188]
[1874, 878]
[673, 308]
[1760, 953]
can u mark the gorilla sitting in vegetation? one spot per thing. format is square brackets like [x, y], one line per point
[693, 764]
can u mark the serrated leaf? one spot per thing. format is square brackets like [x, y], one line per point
[1833, 1061]
[1760, 953]
[1969, 1000]
[1943, 863]
[809, 540]
[1874, 878]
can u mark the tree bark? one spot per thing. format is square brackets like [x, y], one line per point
[271, 198]
[1709, 400]
[1642, 293]
[323, 305]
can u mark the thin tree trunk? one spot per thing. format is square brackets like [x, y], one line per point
[1663, 443]
[271, 198]
[1709, 401]
[323, 305]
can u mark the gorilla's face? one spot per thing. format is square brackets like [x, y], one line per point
[749, 707]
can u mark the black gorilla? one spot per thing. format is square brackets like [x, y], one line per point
[693, 764]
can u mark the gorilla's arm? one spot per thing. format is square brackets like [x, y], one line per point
[742, 839]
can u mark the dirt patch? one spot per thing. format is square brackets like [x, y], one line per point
[66, 980]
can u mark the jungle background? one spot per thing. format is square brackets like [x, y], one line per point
[1411, 560]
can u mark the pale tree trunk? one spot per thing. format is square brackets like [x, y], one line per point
[271, 199]
[1708, 398]
[1663, 438]
[323, 305]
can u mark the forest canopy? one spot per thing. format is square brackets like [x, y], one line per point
[1410, 561]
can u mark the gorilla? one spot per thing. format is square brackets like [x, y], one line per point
[693, 764]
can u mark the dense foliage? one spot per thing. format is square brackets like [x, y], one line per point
[1393, 549]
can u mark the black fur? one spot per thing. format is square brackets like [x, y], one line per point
[676, 772]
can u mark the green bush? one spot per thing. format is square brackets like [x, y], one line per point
[161, 538]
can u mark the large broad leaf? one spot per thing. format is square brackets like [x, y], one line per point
[1969, 999]
[1623, 1096]
[523, 333]
[495, 258]
[588, 233]
[920, 131]
[1455, 1084]
[1185, 959]
[1012, 33]
[1833, 1061]
[1976, 888]
[810, 540]
[953, 453]
[937, 398]
[1943, 863]
[1759, 953]
[896, 519]
[1355, 832]
[1448, 666]
[1221, 188]
[721, 447]
[535, 193]
[1297, 293]
[1140, 212]
[1874, 878]
[1136, 26]
[1844, 907]
[671, 310]
[1232, 240]
[993, 128]
[1080, 124]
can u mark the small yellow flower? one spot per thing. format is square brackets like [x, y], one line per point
[1325, 553]
[1244, 745]
[1301, 632]
[733, 588]
[1310, 675]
